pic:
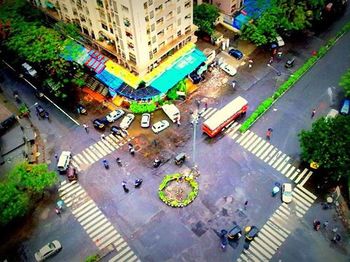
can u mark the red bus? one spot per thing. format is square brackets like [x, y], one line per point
[221, 118]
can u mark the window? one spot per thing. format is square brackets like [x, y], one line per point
[170, 27]
[99, 3]
[187, 29]
[159, 8]
[132, 57]
[179, 9]
[178, 33]
[153, 39]
[150, 55]
[161, 44]
[179, 21]
[145, 5]
[160, 21]
[188, 16]
[126, 22]
[111, 30]
[153, 27]
[188, 4]
[150, 2]
[154, 50]
[149, 43]
[75, 13]
[104, 26]
[167, 1]
[160, 33]
[170, 39]
[151, 14]
[131, 46]
[147, 19]
[169, 15]
[125, 9]
[129, 35]
[82, 18]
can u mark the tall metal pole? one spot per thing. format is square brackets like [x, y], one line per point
[195, 122]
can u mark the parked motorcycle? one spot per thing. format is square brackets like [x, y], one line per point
[156, 163]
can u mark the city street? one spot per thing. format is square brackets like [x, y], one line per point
[234, 169]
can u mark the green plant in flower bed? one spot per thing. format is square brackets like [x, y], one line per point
[265, 105]
[177, 190]
[139, 108]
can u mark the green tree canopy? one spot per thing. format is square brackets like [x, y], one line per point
[345, 83]
[23, 184]
[204, 16]
[328, 143]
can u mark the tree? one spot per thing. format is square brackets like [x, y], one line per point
[13, 203]
[204, 16]
[22, 186]
[328, 143]
[33, 179]
[345, 83]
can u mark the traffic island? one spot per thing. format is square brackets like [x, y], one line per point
[178, 190]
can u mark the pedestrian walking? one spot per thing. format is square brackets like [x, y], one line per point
[271, 60]
[334, 230]
[56, 157]
[126, 190]
[250, 63]
[206, 105]
[58, 211]
[269, 133]
[103, 136]
[245, 205]
[313, 113]
[178, 122]
[325, 224]
[198, 103]
[86, 128]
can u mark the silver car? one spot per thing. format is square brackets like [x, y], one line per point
[145, 120]
[114, 115]
[160, 126]
[48, 250]
[127, 120]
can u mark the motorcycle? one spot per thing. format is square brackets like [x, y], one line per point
[105, 163]
[132, 151]
[138, 183]
[275, 190]
[156, 163]
[126, 190]
[223, 239]
[118, 161]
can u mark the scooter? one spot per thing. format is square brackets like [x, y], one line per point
[138, 183]
[275, 190]
[118, 161]
[132, 151]
[105, 163]
[317, 225]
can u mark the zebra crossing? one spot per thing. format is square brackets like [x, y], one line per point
[264, 150]
[94, 222]
[269, 154]
[101, 148]
[279, 226]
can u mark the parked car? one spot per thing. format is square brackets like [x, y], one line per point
[287, 196]
[127, 120]
[98, 124]
[145, 120]
[72, 174]
[289, 63]
[63, 161]
[115, 115]
[116, 130]
[160, 126]
[228, 69]
[251, 232]
[48, 250]
[279, 41]
[236, 53]
[344, 109]
[235, 233]
[194, 77]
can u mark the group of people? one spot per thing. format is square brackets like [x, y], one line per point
[317, 226]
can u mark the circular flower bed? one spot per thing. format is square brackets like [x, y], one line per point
[177, 190]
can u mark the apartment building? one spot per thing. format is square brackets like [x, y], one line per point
[227, 7]
[138, 33]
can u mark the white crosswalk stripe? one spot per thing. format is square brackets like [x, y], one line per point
[100, 149]
[278, 227]
[207, 113]
[269, 154]
[94, 222]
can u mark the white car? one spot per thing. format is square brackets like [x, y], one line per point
[48, 250]
[114, 115]
[160, 126]
[228, 69]
[287, 193]
[279, 41]
[127, 120]
[145, 120]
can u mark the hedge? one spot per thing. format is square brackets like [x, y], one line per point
[284, 87]
[139, 108]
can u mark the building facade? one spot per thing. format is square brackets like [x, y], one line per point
[138, 33]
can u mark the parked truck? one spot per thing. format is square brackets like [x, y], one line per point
[172, 112]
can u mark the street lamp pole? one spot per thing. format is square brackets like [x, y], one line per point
[195, 122]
